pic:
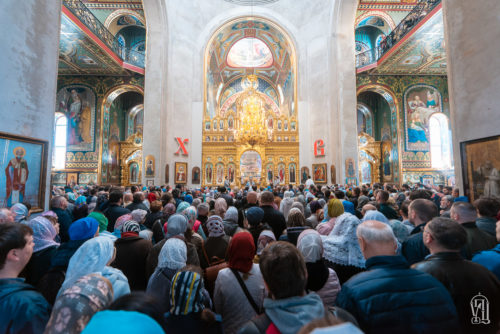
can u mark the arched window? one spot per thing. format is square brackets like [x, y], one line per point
[61, 128]
[440, 140]
[250, 52]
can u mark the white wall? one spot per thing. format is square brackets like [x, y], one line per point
[323, 34]
[28, 68]
[472, 34]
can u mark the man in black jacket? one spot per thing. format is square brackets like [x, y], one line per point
[115, 209]
[137, 203]
[420, 212]
[272, 217]
[59, 204]
[466, 281]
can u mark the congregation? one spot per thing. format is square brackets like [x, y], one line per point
[371, 259]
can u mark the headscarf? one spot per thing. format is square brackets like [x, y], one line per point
[231, 215]
[299, 206]
[188, 198]
[43, 233]
[286, 205]
[176, 225]
[182, 206]
[215, 226]
[75, 306]
[341, 245]
[335, 208]
[190, 214]
[168, 210]
[400, 230]
[151, 197]
[322, 202]
[287, 194]
[84, 228]
[173, 254]
[101, 218]
[49, 213]
[123, 322]
[220, 207]
[310, 245]
[265, 238]
[348, 207]
[20, 212]
[139, 215]
[131, 226]
[241, 252]
[121, 220]
[186, 293]
[91, 257]
[81, 200]
[375, 215]
[71, 196]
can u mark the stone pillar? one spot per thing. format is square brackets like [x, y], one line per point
[28, 68]
[472, 34]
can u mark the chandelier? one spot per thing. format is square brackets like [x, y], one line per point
[251, 125]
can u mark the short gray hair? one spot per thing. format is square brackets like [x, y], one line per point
[57, 202]
[5, 216]
[375, 233]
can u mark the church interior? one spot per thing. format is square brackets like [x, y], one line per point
[272, 91]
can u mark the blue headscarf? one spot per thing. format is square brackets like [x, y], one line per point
[81, 200]
[348, 207]
[84, 228]
[123, 322]
[188, 198]
[182, 206]
[20, 212]
[375, 215]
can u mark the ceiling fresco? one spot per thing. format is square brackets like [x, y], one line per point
[80, 55]
[423, 52]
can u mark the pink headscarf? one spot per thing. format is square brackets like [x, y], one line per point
[121, 220]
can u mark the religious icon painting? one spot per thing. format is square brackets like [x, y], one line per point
[481, 167]
[221, 125]
[270, 173]
[207, 126]
[285, 125]
[279, 124]
[150, 183]
[230, 122]
[221, 138]
[150, 166]
[281, 172]
[133, 173]
[24, 161]
[231, 168]
[333, 174]
[181, 172]
[207, 138]
[195, 175]
[208, 173]
[219, 168]
[292, 169]
[167, 173]
[350, 169]
[72, 179]
[304, 174]
[215, 124]
[319, 173]
[293, 126]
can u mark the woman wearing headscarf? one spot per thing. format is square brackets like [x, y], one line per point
[123, 322]
[21, 213]
[229, 298]
[220, 207]
[177, 228]
[182, 206]
[320, 278]
[131, 254]
[302, 200]
[98, 215]
[375, 215]
[76, 305]
[265, 238]
[119, 224]
[295, 225]
[81, 209]
[151, 197]
[193, 223]
[187, 312]
[335, 209]
[44, 233]
[217, 241]
[341, 248]
[168, 210]
[173, 256]
[230, 221]
[286, 203]
[94, 256]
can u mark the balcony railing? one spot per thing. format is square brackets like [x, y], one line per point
[86, 17]
[421, 10]
[367, 57]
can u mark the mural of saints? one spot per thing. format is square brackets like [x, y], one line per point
[230, 173]
[281, 173]
[208, 173]
[292, 173]
[220, 173]
[16, 174]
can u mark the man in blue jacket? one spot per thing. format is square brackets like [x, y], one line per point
[22, 309]
[390, 297]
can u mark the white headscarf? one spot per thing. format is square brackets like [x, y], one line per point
[286, 203]
[173, 254]
[309, 243]
[43, 233]
[341, 245]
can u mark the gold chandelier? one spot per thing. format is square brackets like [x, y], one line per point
[251, 126]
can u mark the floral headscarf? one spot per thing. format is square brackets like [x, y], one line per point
[190, 214]
[76, 305]
[121, 220]
[43, 233]
[215, 226]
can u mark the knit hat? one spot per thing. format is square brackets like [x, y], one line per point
[82, 229]
[215, 226]
[173, 254]
[176, 225]
[254, 215]
[335, 208]
[231, 215]
[131, 226]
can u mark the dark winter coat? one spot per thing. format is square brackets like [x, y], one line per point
[113, 212]
[131, 255]
[65, 220]
[275, 219]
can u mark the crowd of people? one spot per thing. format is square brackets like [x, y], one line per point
[292, 259]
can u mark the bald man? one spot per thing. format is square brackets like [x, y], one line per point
[390, 297]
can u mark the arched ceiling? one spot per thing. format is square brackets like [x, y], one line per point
[265, 37]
